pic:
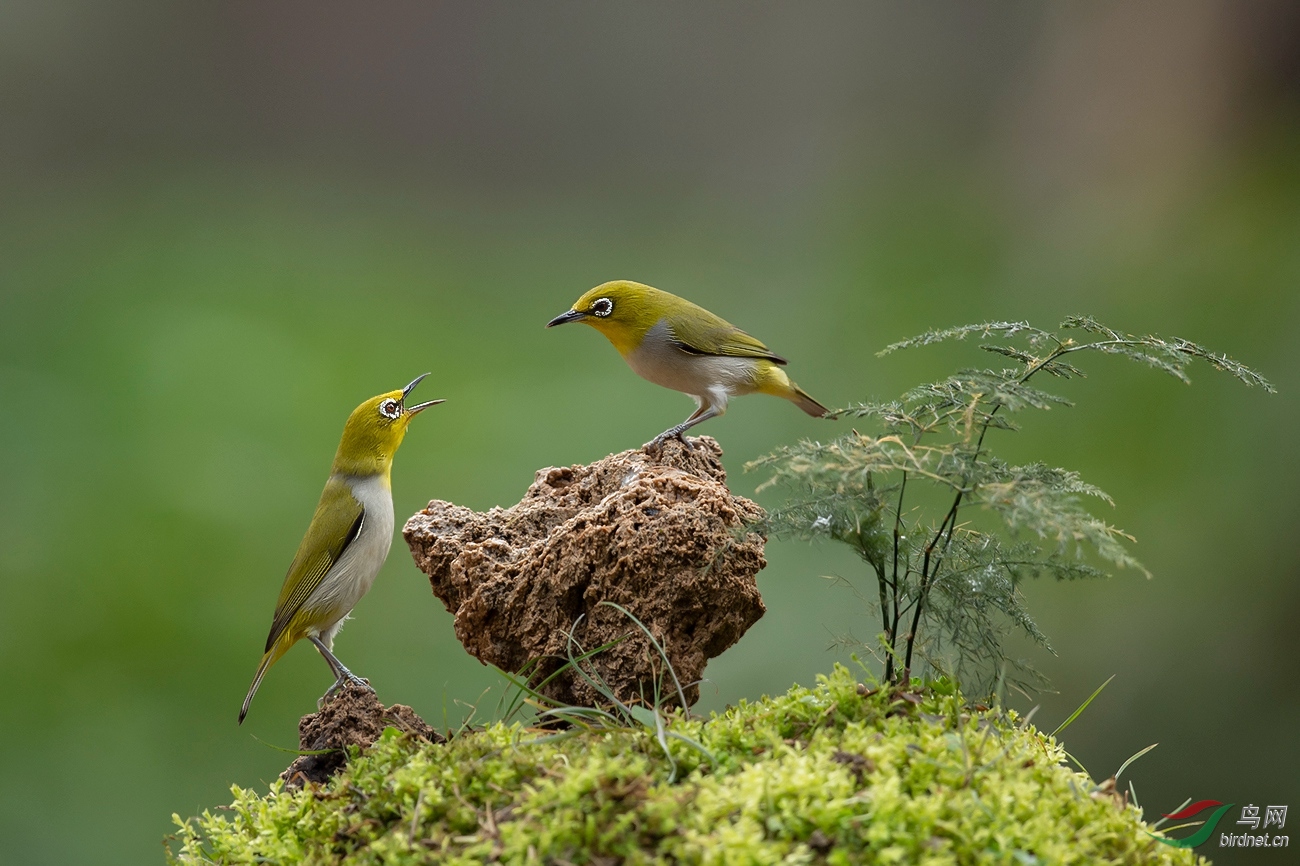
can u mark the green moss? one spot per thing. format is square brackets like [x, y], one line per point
[816, 775]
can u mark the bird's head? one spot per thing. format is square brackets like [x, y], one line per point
[621, 310]
[374, 431]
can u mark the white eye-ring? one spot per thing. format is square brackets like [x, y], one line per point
[390, 409]
[602, 307]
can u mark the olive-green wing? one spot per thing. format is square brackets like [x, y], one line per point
[699, 332]
[336, 524]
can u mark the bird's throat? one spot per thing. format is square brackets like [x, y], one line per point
[625, 338]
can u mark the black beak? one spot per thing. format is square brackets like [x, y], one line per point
[414, 382]
[415, 410]
[564, 318]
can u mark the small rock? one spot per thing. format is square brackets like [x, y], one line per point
[352, 716]
[656, 532]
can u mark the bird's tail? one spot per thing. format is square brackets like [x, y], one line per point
[800, 398]
[268, 658]
[773, 380]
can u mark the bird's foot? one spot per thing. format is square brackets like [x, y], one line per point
[347, 678]
[657, 444]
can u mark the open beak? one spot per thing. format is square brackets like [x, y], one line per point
[417, 409]
[411, 387]
[563, 318]
[420, 407]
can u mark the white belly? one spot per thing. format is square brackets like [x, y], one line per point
[711, 379]
[354, 573]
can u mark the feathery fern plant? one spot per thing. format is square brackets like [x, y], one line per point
[948, 591]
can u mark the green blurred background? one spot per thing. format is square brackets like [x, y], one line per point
[222, 225]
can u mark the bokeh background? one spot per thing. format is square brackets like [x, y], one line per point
[223, 225]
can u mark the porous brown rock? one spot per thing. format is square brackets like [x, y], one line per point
[352, 716]
[656, 532]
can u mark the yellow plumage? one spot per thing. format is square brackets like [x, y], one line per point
[672, 342]
[347, 540]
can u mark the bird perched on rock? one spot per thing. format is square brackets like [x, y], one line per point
[348, 538]
[674, 343]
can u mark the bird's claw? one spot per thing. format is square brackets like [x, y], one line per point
[657, 443]
[346, 679]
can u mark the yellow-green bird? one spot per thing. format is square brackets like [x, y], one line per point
[348, 538]
[674, 343]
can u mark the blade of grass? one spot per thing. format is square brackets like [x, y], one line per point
[473, 711]
[1079, 764]
[596, 682]
[1074, 715]
[581, 712]
[681, 695]
[515, 698]
[525, 691]
[1181, 806]
[1124, 766]
[696, 746]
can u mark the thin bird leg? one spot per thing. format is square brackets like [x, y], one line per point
[701, 414]
[341, 673]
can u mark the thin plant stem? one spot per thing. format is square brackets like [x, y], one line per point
[891, 628]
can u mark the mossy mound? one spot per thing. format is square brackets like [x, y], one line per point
[827, 774]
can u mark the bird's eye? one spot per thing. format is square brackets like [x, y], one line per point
[602, 307]
[390, 408]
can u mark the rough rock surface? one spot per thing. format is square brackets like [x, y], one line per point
[656, 532]
[352, 716]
